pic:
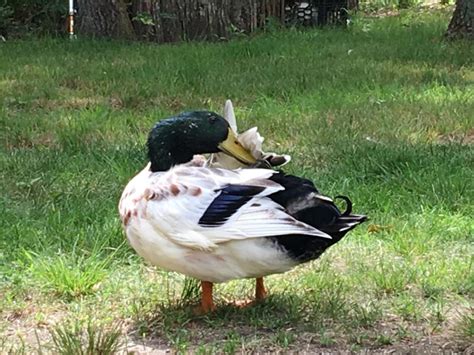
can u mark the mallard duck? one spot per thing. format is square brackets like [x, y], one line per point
[217, 224]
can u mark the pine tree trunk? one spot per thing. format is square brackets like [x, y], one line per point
[104, 18]
[462, 22]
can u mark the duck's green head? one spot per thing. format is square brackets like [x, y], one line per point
[177, 139]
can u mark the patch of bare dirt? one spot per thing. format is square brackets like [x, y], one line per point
[464, 138]
[309, 343]
[28, 327]
[71, 103]
[46, 139]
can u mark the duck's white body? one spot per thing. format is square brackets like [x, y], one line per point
[164, 216]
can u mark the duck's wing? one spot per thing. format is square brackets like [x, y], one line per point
[202, 207]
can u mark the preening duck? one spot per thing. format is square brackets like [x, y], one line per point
[216, 224]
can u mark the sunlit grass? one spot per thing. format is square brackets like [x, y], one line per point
[75, 338]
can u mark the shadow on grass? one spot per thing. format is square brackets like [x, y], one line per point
[279, 321]
[178, 326]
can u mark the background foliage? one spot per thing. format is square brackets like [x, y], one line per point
[32, 17]
[39, 17]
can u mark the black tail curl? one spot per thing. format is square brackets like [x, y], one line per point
[348, 202]
[302, 200]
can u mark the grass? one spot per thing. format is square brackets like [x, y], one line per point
[383, 112]
[70, 275]
[88, 339]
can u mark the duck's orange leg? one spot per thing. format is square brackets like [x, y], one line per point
[207, 303]
[260, 292]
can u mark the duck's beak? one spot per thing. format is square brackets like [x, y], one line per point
[232, 147]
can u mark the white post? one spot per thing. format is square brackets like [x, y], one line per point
[71, 19]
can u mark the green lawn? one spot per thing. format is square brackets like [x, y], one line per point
[382, 112]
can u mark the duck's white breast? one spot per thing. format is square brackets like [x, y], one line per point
[231, 260]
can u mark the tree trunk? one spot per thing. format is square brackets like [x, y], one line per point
[462, 22]
[178, 20]
[104, 18]
[181, 20]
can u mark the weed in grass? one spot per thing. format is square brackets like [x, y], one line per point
[70, 276]
[85, 339]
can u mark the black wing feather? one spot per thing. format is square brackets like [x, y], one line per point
[229, 200]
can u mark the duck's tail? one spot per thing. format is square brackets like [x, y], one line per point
[303, 201]
[339, 224]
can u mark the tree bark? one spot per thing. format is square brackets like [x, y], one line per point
[104, 18]
[181, 20]
[178, 20]
[462, 22]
